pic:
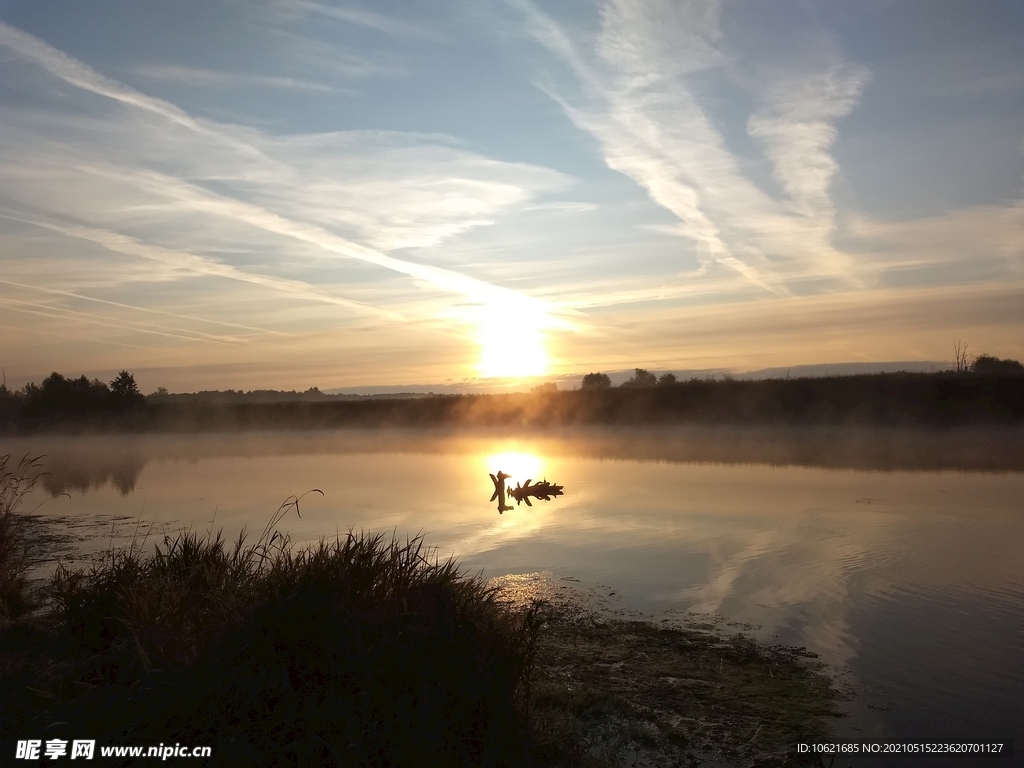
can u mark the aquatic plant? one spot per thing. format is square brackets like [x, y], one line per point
[16, 480]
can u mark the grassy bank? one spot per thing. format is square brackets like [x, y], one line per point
[360, 651]
[368, 651]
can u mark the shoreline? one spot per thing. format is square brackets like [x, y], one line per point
[607, 689]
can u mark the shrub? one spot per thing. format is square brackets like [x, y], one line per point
[596, 381]
[991, 364]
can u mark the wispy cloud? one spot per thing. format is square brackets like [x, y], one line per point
[63, 336]
[987, 238]
[200, 266]
[218, 79]
[203, 201]
[901, 323]
[796, 124]
[91, 318]
[360, 17]
[80, 75]
[329, 61]
[425, 203]
[135, 308]
[639, 103]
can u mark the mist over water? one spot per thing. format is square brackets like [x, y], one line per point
[895, 554]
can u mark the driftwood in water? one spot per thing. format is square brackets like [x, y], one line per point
[542, 490]
[499, 491]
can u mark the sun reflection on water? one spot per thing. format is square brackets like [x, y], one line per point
[520, 466]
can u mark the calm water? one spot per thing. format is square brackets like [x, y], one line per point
[877, 550]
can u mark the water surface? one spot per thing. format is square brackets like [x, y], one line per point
[897, 556]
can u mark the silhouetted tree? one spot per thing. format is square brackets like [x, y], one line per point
[963, 359]
[641, 378]
[991, 364]
[124, 391]
[596, 381]
[667, 380]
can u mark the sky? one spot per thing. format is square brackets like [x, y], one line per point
[294, 193]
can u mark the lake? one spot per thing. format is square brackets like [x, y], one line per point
[896, 555]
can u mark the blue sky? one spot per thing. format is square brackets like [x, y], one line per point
[293, 193]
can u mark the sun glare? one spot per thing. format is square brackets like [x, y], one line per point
[520, 466]
[512, 345]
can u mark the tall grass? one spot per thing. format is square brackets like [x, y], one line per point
[363, 651]
[16, 480]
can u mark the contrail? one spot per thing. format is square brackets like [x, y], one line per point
[47, 310]
[64, 336]
[143, 309]
[199, 265]
[79, 74]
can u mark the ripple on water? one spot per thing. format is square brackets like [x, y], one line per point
[942, 661]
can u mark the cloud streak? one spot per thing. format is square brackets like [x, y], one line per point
[639, 103]
[74, 72]
[80, 75]
[47, 310]
[213, 78]
[271, 170]
[360, 17]
[70, 294]
[200, 266]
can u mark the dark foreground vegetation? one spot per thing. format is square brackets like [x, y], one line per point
[987, 394]
[365, 651]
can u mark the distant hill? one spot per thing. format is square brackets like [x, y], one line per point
[572, 381]
[847, 369]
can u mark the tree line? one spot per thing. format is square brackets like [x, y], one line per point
[986, 379]
[640, 379]
[58, 395]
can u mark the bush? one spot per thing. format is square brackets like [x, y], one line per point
[596, 381]
[993, 365]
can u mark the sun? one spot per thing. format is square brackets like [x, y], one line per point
[512, 344]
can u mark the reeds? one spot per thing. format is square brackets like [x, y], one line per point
[364, 651]
[16, 480]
